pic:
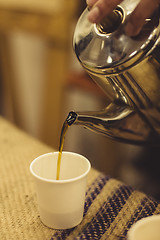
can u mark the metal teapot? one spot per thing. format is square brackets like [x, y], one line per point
[128, 71]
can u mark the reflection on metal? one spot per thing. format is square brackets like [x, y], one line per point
[128, 71]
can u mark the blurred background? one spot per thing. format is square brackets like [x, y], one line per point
[41, 81]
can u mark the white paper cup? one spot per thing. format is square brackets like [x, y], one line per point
[60, 202]
[145, 229]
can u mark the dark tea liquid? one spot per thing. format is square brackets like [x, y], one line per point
[68, 122]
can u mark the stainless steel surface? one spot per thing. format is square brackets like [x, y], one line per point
[128, 71]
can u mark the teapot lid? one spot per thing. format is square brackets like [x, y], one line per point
[106, 49]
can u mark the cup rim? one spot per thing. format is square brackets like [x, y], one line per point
[60, 181]
[140, 223]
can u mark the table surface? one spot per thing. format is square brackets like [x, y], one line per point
[111, 207]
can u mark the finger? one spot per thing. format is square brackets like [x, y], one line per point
[101, 8]
[137, 19]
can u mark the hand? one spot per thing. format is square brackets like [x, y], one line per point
[145, 8]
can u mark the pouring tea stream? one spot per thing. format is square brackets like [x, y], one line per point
[128, 71]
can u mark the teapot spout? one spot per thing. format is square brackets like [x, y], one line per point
[117, 121]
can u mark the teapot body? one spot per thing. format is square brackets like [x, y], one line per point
[127, 69]
[138, 87]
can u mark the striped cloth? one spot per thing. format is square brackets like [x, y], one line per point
[111, 207]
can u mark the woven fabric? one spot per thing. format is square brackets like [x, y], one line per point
[111, 207]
